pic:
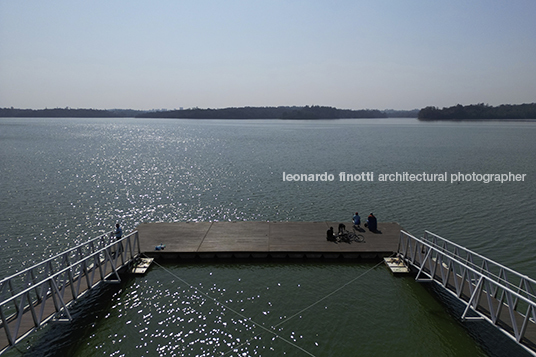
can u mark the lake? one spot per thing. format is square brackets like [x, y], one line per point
[65, 181]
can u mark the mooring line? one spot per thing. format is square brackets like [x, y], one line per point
[236, 312]
[271, 331]
[305, 309]
[326, 296]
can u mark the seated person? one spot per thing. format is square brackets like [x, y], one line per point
[372, 223]
[330, 235]
[357, 220]
[342, 228]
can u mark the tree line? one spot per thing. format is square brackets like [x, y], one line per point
[459, 112]
[307, 112]
[66, 113]
[281, 112]
[479, 112]
[224, 113]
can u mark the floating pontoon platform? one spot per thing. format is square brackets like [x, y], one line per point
[397, 265]
[142, 265]
[262, 239]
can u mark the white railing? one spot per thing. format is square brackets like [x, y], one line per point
[61, 279]
[490, 290]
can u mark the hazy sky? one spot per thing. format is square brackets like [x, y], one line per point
[353, 54]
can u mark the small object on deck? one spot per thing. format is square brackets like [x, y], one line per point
[160, 247]
[142, 265]
[396, 264]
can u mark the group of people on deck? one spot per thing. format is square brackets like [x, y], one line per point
[371, 224]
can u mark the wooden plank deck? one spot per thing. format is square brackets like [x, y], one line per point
[260, 239]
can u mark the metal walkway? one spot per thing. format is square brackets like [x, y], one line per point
[45, 291]
[489, 290]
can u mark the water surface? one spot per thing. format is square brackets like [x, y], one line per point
[67, 180]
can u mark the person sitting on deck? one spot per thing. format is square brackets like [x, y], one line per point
[357, 220]
[330, 235]
[342, 228]
[372, 223]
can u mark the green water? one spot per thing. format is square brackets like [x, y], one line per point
[271, 309]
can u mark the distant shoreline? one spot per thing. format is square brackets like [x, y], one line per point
[476, 120]
[480, 112]
[305, 113]
[472, 113]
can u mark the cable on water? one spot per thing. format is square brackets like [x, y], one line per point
[308, 307]
[271, 331]
[232, 310]
[326, 296]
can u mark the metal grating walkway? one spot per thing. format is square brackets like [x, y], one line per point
[45, 291]
[490, 291]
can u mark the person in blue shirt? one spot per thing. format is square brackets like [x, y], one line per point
[357, 220]
[118, 231]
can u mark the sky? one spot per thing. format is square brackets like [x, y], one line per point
[158, 54]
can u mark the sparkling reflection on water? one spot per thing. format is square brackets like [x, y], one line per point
[274, 309]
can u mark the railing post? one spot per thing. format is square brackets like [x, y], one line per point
[5, 324]
[473, 300]
[61, 302]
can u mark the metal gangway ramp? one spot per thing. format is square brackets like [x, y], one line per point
[45, 291]
[490, 291]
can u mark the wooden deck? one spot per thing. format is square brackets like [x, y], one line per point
[262, 240]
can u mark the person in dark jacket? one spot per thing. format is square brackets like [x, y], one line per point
[330, 235]
[372, 223]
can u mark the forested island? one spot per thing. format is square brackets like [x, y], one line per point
[307, 112]
[294, 112]
[480, 112]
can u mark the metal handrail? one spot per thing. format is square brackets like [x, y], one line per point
[59, 276]
[51, 277]
[457, 273]
[506, 288]
[54, 257]
[488, 262]
[482, 257]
